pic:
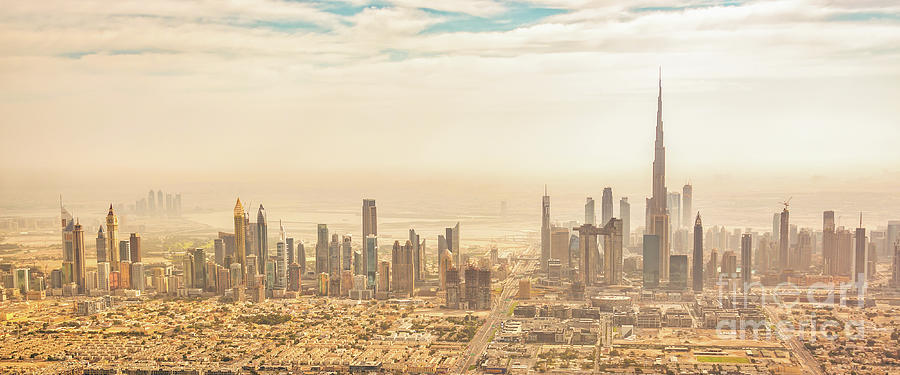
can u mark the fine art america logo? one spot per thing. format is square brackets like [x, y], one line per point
[764, 312]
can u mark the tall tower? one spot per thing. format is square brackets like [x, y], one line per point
[746, 261]
[322, 264]
[606, 206]
[625, 214]
[829, 244]
[859, 261]
[698, 255]
[78, 242]
[784, 240]
[112, 237]
[545, 231]
[101, 246]
[67, 226]
[135, 243]
[590, 217]
[369, 227]
[240, 245]
[657, 211]
[262, 238]
[687, 203]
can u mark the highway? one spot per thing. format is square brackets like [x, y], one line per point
[810, 364]
[498, 312]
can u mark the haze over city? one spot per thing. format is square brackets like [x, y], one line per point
[562, 186]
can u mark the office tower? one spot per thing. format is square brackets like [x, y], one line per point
[895, 265]
[323, 283]
[301, 257]
[346, 252]
[442, 244]
[262, 235]
[280, 266]
[678, 270]
[101, 245]
[776, 227]
[587, 239]
[674, 206]
[252, 267]
[384, 277]
[444, 264]
[804, 250]
[859, 261]
[289, 249]
[418, 256]
[370, 257]
[478, 289]
[712, 266]
[612, 250]
[137, 276]
[453, 245]
[240, 242]
[545, 232]
[452, 288]
[322, 249]
[125, 251]
[746, 260]
[187, 268]
[783, 240]
[651, 261]
[270, 274]
[237, 275]
[294, 277]
[892, 234]
[559, 246]
[698, 254]
[360, 290]
[589, 216]
[403, 279]
[67, 224]
[369, 227]
[219, 251]
[657, 212]
[79, 261]
[21, 280]
[625, 214]
[198, 268]
[334, 256]
[112, 236]
[606, 206]
[829, 244]
[151, 202]
[729, 264]
[687, 204]
[843, 252]
[103, 276]
[358, 261]
[160, 208]
[135, 242]
[422, 255]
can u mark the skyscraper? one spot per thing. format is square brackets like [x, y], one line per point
[612, 250]
[289, 249]
[403, 280]
[370, 257]
[625, 214]
[545, 233]
[281, 265]
[746, 261]
[674, 207]
[678, 270]
[369, 227]
[559, 245]
[262, 237]
[160, 207]
[418, 258]
[829, 244]
[322, 249]
[859, 261]
[606, 206]
[112, 236]
[453, 245]
[895, 265]
[784, 240]
[334, 259]
[590, 216]
[687, 204]
[67, 224]
[135, 242]
[240, 241]
[79, 261]
[101, 245]
[651, 261]
[445, 262]
[698, 255]
[151, 203]
[301, 257]
[346, 252]
[657, 212]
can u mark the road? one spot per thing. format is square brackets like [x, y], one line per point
[498, 312]
[810, 364]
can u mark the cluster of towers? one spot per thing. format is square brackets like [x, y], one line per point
[159, 203]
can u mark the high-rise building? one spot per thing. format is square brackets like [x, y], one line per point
[729, 264]
[101, 245]
[651, 261]
[678, 271]
[79, 261]
[112, 236]
[262, 236]
[674, 206]
[892, 235]
[384, 277]
[444, 265]
[625, 214]
[289, 249]
[590, 216]
[370, 256]
[294, 277]
[135, 242]
[281, 265]
[746, 260]
[322, 249]
[346, 252]
[545, 232]
[829, 244]
[103, 276]
[698, 255]
[587, 239]
[452, 285]
[657, 212]
[606, 206]
[612, 251]
[125, 251]
[301, 257]
[403, 280]
[783, 240]
[687, 204]
[240, 240]
[151, 202]
[859, 261]
[67, 224]
[804, 250]
[334, 263]
[454, 246]
[418, 256]
[369, 227]
[559, 246]
[712, 266]
[219, 251]
[895, 265]
[137, 276]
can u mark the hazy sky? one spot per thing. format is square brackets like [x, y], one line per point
[102, 92]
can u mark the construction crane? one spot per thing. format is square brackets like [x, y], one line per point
[787, 203]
